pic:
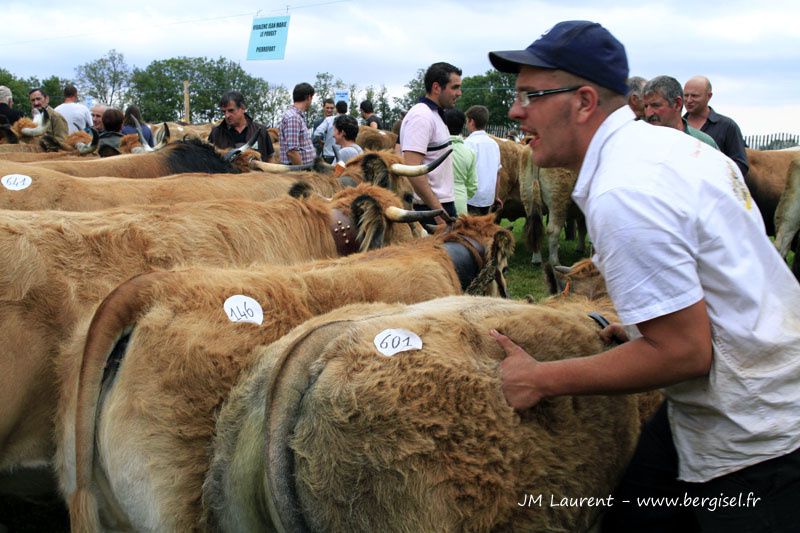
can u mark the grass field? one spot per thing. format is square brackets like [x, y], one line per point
[526, 279]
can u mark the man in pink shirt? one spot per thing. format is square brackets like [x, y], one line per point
[424, 137]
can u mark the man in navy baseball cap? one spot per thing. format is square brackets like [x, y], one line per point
[678, 242]
[583, 48]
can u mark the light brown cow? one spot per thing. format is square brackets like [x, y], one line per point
[49, 189]
[174, 158]
[374, 139]
[57, 266]
[182, 353]
[530, 192]
[766, 180]
[787, 216]
[326, 433]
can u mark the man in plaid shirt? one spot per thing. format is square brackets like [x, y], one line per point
[295, 141]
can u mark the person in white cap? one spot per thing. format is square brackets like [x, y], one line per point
[7, 106]
[686, 260]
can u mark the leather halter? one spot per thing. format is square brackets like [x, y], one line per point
[467, 256]
[344, 233]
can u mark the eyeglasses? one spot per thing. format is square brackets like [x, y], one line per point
[524, 97]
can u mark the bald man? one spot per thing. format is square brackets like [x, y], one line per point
[724, 131]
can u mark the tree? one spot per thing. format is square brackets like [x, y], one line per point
[495, 90]
[107, 79]
[416, 90]
[158, 90]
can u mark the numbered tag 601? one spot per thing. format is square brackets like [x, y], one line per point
[392, 341]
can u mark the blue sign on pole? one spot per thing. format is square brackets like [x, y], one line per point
[268, 38]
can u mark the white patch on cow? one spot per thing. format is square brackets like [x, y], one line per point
[392, 341]
[382, 132]
[241, 308]
[16, 182]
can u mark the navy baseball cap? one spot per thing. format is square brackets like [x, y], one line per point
[579, 47]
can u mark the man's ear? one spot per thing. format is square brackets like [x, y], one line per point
[588, 100]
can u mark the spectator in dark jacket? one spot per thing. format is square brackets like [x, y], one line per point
[238, 127]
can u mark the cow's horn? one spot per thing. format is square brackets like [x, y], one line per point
[255, 164]
[236, 152]
[396, 214]
[84, 148]
[145, 145]
[563, 269]
[418, 170]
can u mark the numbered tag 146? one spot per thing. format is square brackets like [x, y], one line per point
[241, 308]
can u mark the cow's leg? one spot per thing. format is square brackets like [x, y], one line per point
[554, 224]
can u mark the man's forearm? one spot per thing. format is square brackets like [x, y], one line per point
[423, 189]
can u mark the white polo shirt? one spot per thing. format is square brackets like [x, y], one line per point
[488, 165]
[673, 222]
[423, 131]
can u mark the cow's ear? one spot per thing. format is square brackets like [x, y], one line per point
[300, 189]
[375, 171]
[367, 215]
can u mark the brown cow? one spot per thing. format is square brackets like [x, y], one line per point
[49, 189]
[324, 432]
[374, 139]
[787, 216]
[184, 354]
[57, 266]
[174, 158]
[766, 180]
[530, 192]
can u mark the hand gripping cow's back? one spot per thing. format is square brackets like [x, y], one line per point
[326, 433]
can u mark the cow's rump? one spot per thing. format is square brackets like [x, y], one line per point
[326, 433]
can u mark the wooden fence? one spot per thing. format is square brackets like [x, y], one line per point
[772, 141]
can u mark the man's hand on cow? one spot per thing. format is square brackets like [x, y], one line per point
[516, 373]
[614, 333]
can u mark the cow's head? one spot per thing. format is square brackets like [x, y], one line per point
[582, 279]
[386, 169]
[376, 215]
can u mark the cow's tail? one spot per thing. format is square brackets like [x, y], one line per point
[113, 319]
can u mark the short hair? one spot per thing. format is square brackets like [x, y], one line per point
[366, 106]
[439, 73]
[636, 85]
[70, 91]
[341, 107]
[302, 91]
[232, 96]
[347, 125]
[479, 115]
[328, 101]
[132, 111]
[455, 120]
[44, 93]
[112, 119]
[666, 86]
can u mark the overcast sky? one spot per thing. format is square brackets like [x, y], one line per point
[750, 50]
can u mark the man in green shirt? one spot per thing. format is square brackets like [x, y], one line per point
[663, 104]
[465, 173]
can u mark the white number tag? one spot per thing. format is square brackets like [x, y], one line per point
[392, 341]
[240, 308]
[16, 182]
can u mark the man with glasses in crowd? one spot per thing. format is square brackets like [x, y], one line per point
[686, 260]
